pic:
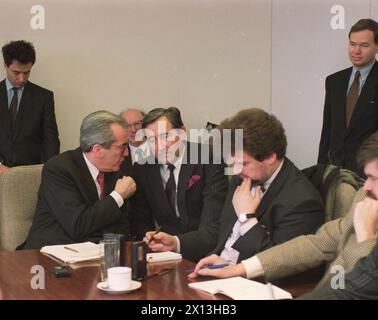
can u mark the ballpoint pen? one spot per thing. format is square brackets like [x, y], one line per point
[214, 266]
[156, 232]
[68, 248]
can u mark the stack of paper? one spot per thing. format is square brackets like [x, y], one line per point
[163, 256]
[72, 253]
[239, 288]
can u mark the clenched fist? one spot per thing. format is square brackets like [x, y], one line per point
[125, 187]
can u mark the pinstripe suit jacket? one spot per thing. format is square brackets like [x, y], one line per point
[199, 203]
[334, 243]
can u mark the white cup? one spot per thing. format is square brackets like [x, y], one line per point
[119, 278]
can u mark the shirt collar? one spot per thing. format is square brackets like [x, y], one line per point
[10, 86]
[92, 169]
[268, 182]
[364, 71]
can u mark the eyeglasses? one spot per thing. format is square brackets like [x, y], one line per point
[135, 125]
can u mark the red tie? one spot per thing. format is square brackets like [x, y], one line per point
[100, 180]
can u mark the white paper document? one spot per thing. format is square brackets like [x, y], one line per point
[75, 252]
[239, 288]
[163, 256]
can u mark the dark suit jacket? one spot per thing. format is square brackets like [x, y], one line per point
[360, 283]
[36, 134]
[290, 207]
[68, 208]
[127, 164]
[199, 206]
[338, 144]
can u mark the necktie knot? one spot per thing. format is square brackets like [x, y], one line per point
[171, 168]
[100, 180]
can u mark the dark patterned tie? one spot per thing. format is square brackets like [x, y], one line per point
[100, 180]
[13, 107]
[352, 97]
[170, 188]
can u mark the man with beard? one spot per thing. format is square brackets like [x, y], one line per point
[341, 242]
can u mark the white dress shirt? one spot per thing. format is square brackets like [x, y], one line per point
[94, 173]
[137, 155]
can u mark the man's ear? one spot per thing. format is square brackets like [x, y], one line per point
[96, 149]
[272, 158]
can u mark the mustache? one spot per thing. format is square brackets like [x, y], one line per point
[371, 195]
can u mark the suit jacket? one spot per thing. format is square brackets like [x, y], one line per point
[360, 283]
[290, 207]
[35, 139]
[68, 208]
[199, 204]
[334, 243]
[338, 144]
[127, 164]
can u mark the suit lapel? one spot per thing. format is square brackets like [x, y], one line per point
[85, 176]
[4, 110]
[273, 190]
[368, 94]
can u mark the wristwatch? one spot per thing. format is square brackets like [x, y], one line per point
[243, 217]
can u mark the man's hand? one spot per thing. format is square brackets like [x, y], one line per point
[125, 187]
[234, 270]
[161, 241]
[365, 219]
[3, 169]
[243, 200]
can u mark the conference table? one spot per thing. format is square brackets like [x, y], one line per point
[20, 271]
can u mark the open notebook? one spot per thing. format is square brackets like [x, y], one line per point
[73, 253]
[239, 288]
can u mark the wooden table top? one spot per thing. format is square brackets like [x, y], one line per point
[17, 277]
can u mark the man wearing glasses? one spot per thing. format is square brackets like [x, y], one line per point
[138, 148]
[82, 193]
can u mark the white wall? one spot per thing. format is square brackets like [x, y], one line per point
[209, 58]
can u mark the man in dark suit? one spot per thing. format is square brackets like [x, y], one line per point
[82, 195]
[270, 201]
[28, 129]
[351, 100]
[182, 196]
[137, 147]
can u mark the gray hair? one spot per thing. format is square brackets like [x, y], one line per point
[95, 129]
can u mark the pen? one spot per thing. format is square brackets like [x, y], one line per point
[214, 266]
[68, 248]
[156, 232]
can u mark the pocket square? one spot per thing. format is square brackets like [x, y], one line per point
[193, 180]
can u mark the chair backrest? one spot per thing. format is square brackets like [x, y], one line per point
[18, 198]
[337, 187]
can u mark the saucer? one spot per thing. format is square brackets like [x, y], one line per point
[103, 286]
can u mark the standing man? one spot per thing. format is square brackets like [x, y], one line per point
[183, 197]
[351, 100]
[28, 129]
[138, 148]
[82, 194]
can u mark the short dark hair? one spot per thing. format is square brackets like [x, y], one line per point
[366, 24]
[368, 150]
[21, 51]
[172, 114]
[263, 133]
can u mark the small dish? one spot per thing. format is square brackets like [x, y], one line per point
[103, 286]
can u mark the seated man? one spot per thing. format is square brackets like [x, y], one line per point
[360, 283]
[81, 196]
[253, 220]
[341, 242]
[183, 198]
